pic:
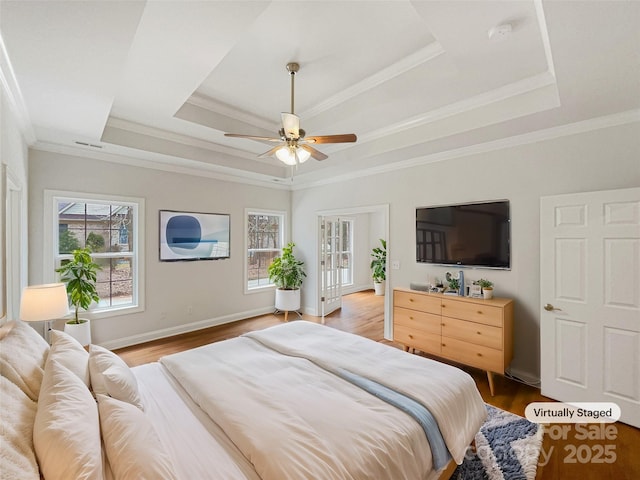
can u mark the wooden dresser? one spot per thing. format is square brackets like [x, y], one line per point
[470, 331]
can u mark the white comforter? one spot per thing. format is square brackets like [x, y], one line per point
[293, 419]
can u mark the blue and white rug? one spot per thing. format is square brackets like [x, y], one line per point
[507, 448]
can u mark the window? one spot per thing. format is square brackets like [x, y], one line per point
[109, 228]
[347, 252]
[265, 238]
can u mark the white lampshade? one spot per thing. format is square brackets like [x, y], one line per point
[303, 155]
[44, 302]
[287, 155]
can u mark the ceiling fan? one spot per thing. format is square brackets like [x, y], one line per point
[294, 147]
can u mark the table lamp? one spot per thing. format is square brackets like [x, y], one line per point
[43, 303]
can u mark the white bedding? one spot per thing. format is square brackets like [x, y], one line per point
[294, 420]
[198, 448]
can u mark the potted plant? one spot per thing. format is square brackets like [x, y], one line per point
[80, 275]
[454, 286]
[487, 288]
[287, 273]
[379, 267]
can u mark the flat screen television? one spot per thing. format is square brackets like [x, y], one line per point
[471, 235]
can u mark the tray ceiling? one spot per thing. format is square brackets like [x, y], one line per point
[161, 81]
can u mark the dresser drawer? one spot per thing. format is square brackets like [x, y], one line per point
[417, 301]
[427, 342]
[472, 332]
[475, 312]
[427, 322]
[477, 356]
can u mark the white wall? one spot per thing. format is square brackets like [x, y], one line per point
[213, 289]
[597, 160]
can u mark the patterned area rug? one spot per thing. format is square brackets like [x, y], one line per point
[507, 448]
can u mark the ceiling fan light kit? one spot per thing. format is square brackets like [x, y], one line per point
[295, 148]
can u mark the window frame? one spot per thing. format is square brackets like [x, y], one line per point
[283, 241]
[351, 225]
[51, 247]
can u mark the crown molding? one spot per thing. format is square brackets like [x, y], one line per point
[507, 91]
[210, 104]
[189, 167]
[14, 95]
[409, 62]
[597, 123]
[419, 57]
[544, 35]
[168, 163]
[159, 133]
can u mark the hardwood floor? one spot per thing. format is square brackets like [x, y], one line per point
[592, 452]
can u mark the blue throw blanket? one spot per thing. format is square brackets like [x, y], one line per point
[416, 410]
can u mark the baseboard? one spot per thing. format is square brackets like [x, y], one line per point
[345, 291]
[524, 377]
[185, 328]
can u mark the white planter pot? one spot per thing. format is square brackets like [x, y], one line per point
[378, 287]
[80, 331]
[287, 300]
[487, 293]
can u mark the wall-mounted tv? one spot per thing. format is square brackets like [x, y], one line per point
[193, 236]
[471, 234]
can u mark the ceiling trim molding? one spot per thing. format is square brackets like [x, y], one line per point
[121, 124]
[544, 34]
[409, 62]
[210, 104]
[168, 163]
[507, 91]
[598, 123]
[190, 167]
[14, 95]
[413, 60]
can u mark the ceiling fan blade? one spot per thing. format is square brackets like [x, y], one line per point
[253, 137]
[291, 125]
[342, 138]
[317, 154]
[270, 152]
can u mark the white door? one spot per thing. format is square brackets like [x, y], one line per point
[590, 298]
[330, 264]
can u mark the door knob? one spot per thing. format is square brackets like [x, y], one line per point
[550, 308]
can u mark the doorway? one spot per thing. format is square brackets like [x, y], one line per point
[370, 223]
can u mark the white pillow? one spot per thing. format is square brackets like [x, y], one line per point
[111, 376]
[66, 433]
[68, 351]
[6, 327]
[23, 353]
[132, 444]
[17, 414]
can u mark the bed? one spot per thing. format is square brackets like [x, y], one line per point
[294, 401]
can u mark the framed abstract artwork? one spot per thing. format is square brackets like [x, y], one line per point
[188, 236]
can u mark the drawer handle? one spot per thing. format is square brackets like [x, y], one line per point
[444, 344]
[410, 317]
[479, 312]
[411, 336]
[411, 299]
[479, 333]
[479, 354]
